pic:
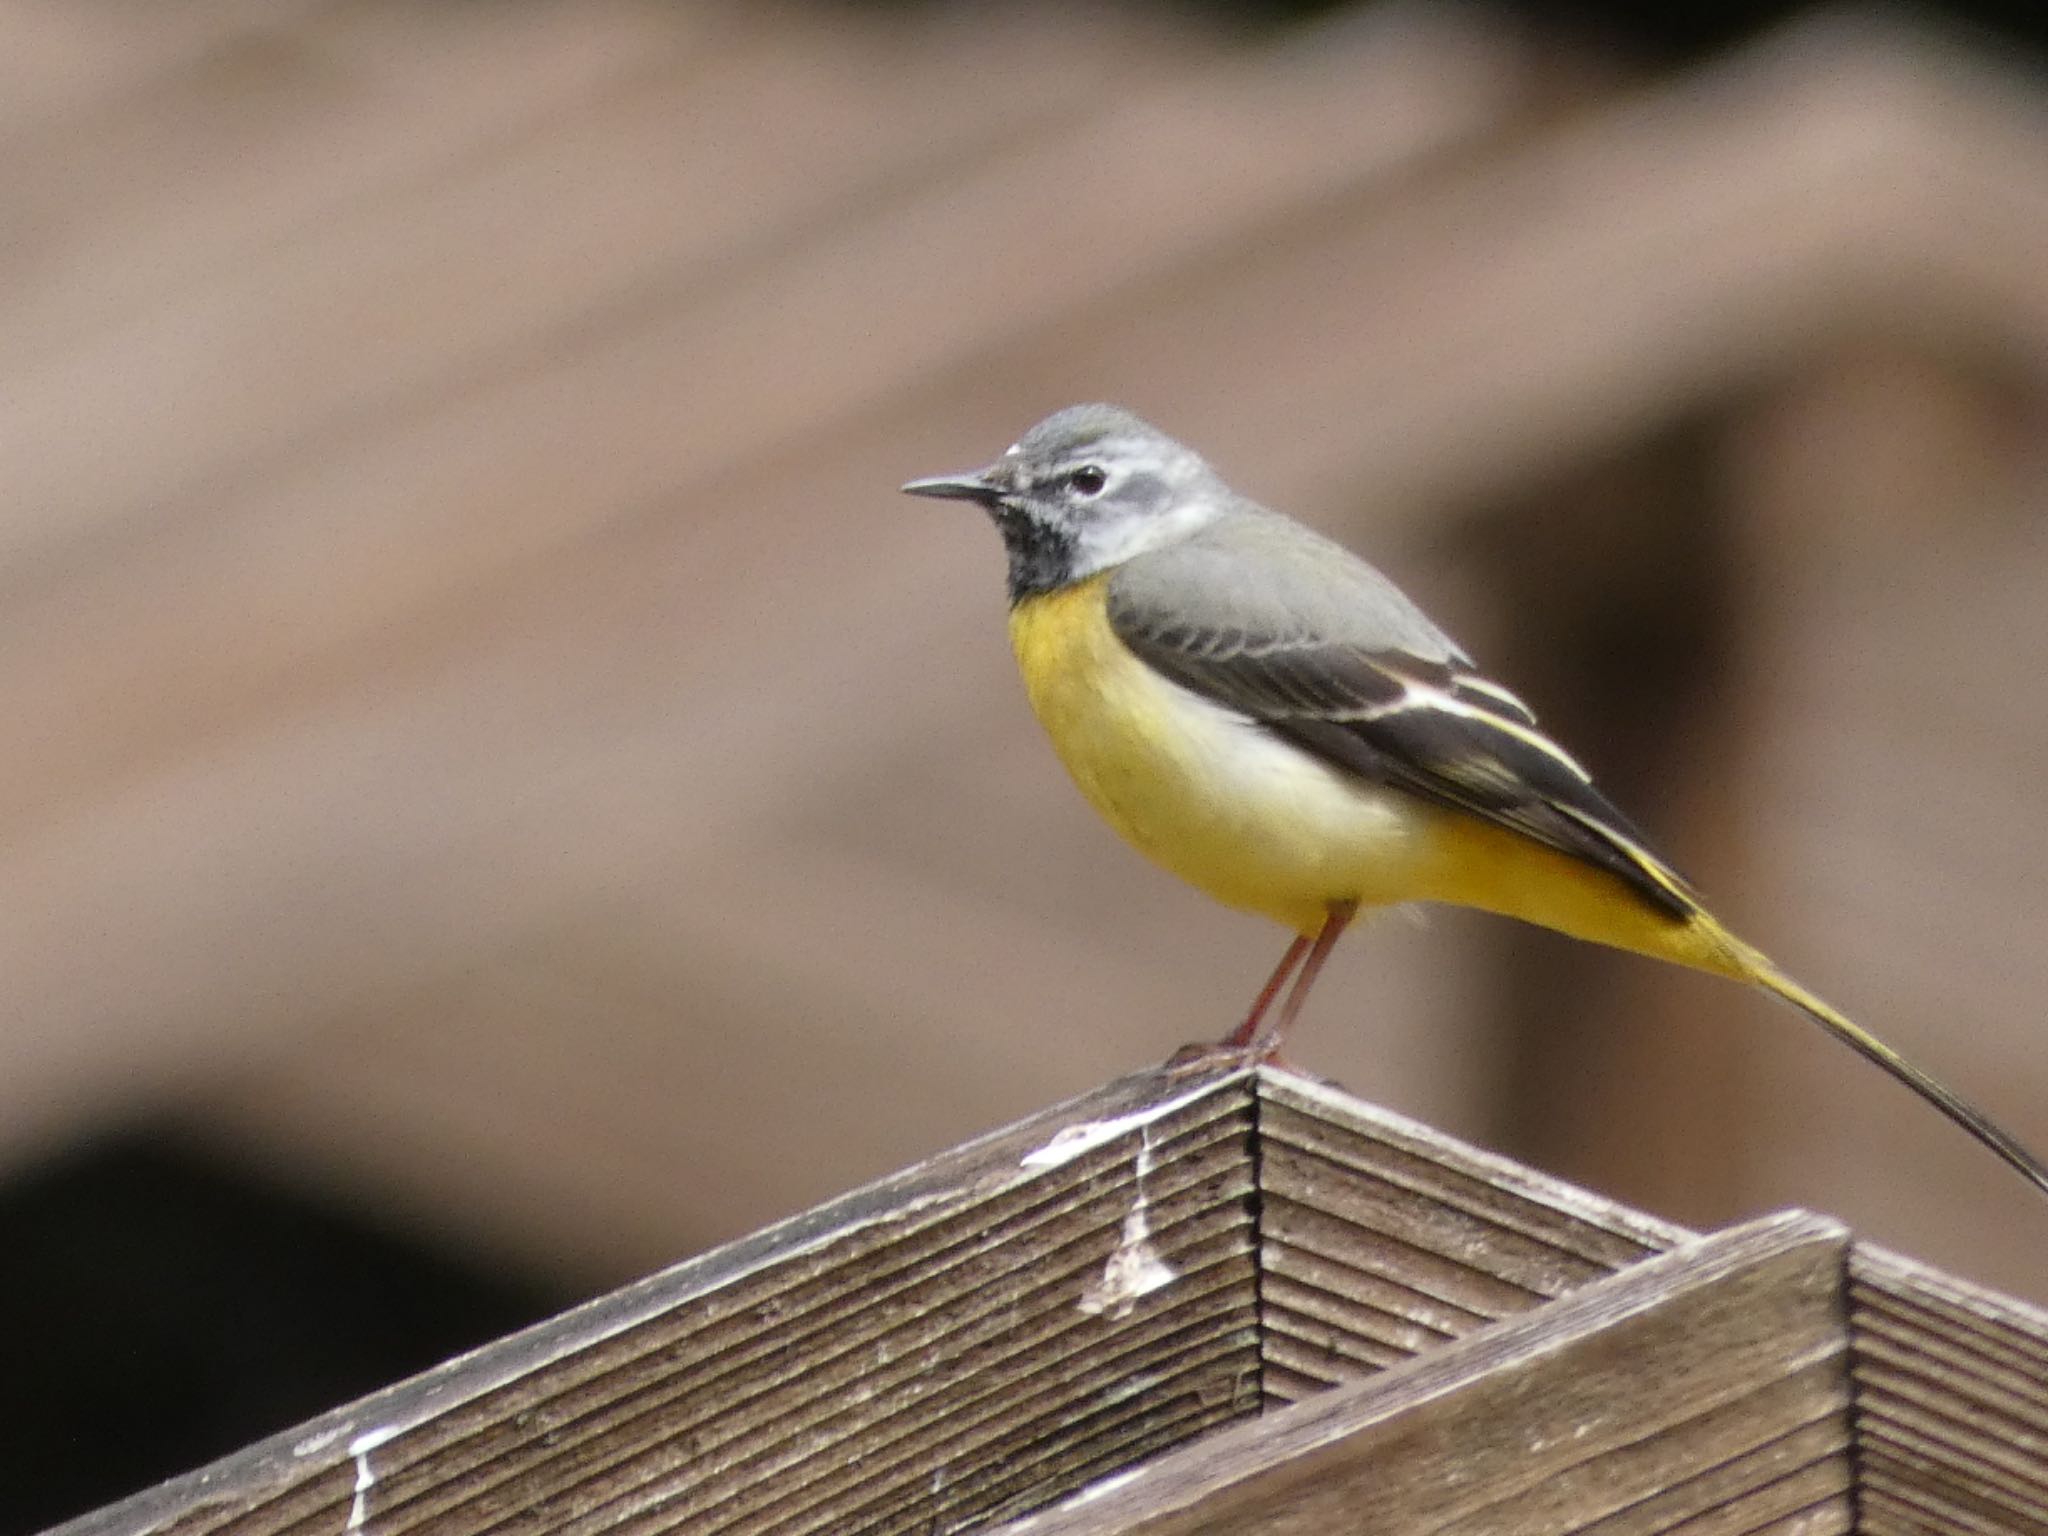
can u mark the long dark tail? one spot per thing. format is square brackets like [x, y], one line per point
[1747, 964]
[1676, 927]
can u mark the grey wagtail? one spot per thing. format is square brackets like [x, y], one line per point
[1270, 718]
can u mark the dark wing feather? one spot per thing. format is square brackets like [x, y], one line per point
[1433, 727]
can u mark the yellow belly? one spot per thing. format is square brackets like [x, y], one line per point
[1260, 825]
[1213, 797]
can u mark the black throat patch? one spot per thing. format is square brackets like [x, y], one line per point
[1041, 556]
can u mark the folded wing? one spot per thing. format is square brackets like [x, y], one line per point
[1267, 618]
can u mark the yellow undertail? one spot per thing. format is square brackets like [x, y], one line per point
[1509, 874]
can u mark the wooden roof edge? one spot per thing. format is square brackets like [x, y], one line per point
[1008, 1155]
[1884, 1282]
[1784, 1343]
[1738, 1314]
[1330, 1101]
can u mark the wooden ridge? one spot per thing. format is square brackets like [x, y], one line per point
[1224, 1299]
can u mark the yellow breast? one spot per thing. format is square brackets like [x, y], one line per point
[1212, 796]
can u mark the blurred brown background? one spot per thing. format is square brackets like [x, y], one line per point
[502, 793]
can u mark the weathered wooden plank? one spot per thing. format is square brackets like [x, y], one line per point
[981, 1332]
[1796, 1480]
[1380, 1238]
[1450, 1279]
[1061, 1308]
[1951, 1386]
[1319, 1117]
[1903, 1490]
[1705, 1389]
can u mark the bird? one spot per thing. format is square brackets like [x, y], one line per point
[1266, 715]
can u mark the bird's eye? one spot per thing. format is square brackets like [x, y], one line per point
[1088, 480]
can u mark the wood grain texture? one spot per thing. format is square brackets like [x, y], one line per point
[1042, 1309]
[1037, 1327]
[1380, 1239]
[937, 1349]
[1704, 1391]
[1951, 1387]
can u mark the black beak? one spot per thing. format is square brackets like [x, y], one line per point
[971, 486]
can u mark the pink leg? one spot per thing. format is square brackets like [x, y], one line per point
[1265, 1043]
[1242, 1036]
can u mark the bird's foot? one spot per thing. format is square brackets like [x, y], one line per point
[1222, 1055]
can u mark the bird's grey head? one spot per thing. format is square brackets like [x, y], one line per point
[1086, 489]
